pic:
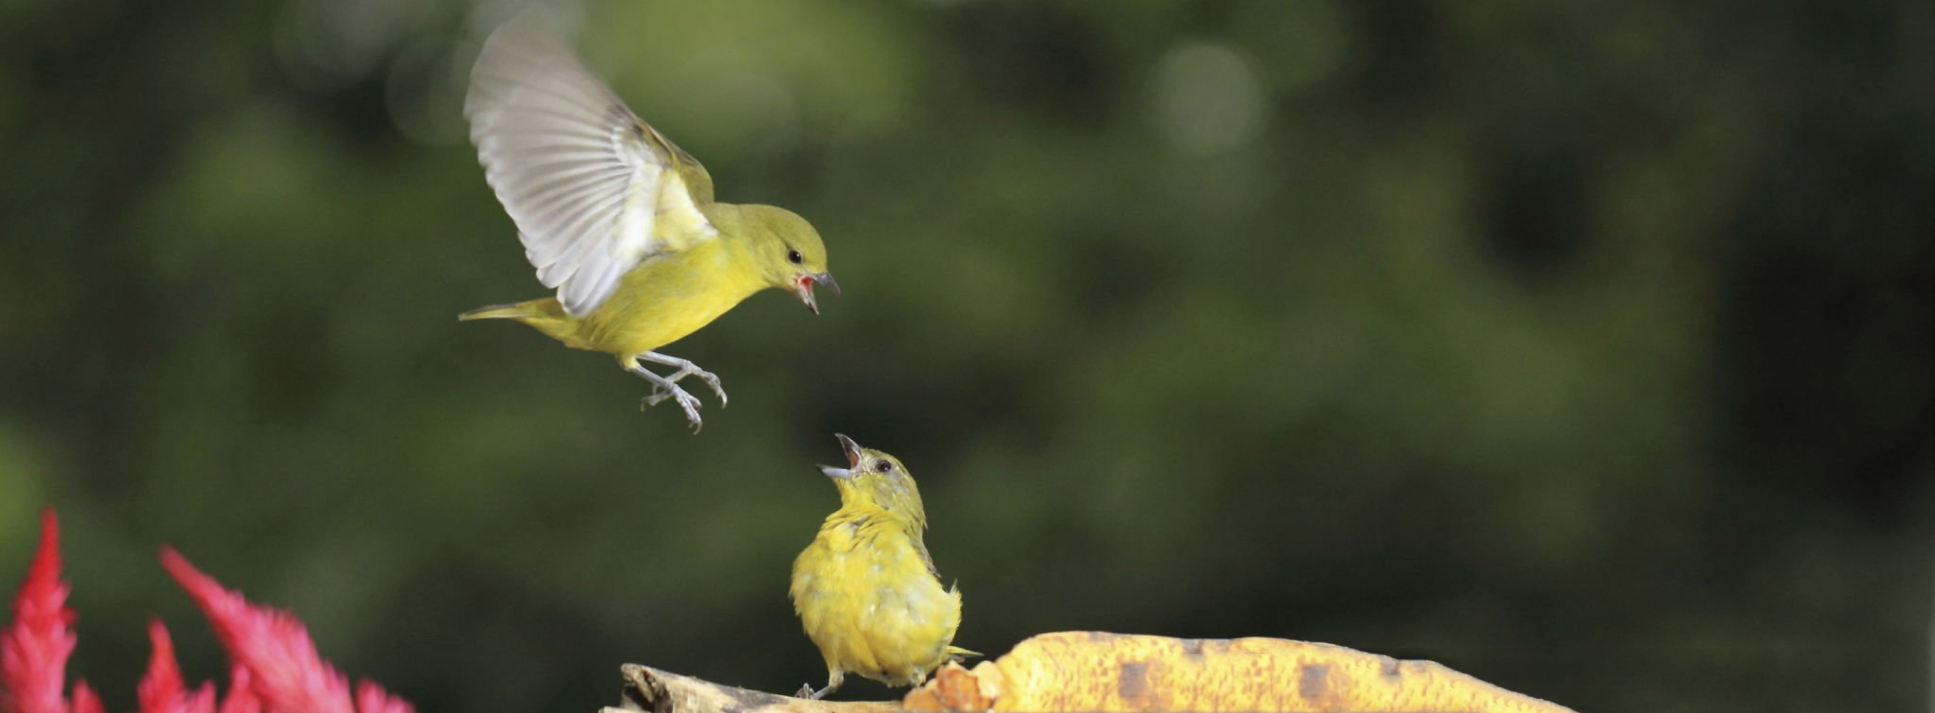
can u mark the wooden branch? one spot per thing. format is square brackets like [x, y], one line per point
[655, 691]
[1095, 671]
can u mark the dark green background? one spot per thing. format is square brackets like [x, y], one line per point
[1583, 347]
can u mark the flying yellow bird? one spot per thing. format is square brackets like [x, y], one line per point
[866, 589]
[617, 218]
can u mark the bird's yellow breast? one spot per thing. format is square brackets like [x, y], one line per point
[666, 298]
[869, 599]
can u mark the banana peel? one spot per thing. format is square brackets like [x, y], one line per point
[1096, 671]
[1122, 673]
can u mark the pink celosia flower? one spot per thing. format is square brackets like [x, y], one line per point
[241, 696]
[283, 667]
[371, 698]
[84, 699]
[35, 647]
[275, 666]
[161, 690]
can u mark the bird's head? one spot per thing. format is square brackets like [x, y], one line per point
[875, 478]
[788, 251]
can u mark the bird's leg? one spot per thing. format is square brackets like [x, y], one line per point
[687, 368]
[833, 681]
[662, 389]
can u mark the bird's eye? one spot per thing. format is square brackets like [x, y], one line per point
[793, 256]
[883, 466]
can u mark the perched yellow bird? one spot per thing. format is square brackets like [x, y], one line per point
[617, 218]
[866, 588]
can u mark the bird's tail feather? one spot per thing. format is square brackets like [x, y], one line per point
[544, 314]
[519, 310]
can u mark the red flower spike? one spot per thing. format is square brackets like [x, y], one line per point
[275, 668]
[85, 701]
[35, 647]
[161, 689]
[283, 667]
[371, 698]
[241, 696]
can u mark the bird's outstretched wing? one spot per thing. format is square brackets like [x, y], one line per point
[593, 190]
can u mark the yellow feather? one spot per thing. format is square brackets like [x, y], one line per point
[618, 218]
[674, 294]
[866, 590]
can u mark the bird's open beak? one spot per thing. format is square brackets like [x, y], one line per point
[852, 449]
[803, 286]
[853, 459]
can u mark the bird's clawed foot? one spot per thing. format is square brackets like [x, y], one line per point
[686, 368]
[832, 684]
[666, 387]
[689, 403]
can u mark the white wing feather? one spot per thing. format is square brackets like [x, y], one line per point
[571, 164]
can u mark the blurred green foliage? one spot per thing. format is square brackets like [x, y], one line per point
[1582, 347]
